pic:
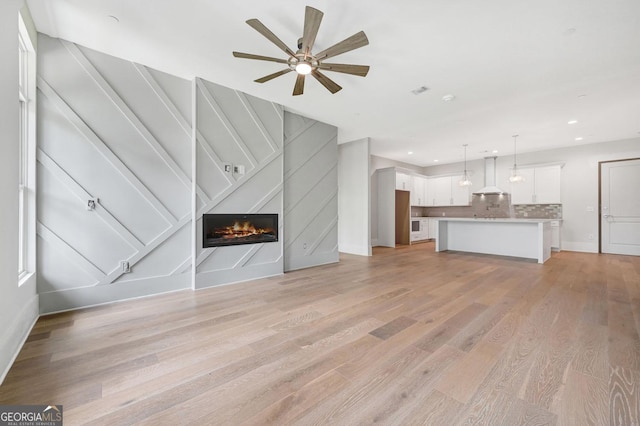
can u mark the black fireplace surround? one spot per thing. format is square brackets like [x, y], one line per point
[233, 229]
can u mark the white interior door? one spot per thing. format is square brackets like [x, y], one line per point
[620, 211]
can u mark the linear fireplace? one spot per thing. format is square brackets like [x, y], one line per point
[231, 229]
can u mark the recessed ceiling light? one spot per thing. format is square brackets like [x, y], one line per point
[579, 138]
[495, 151]
[435, 161]
[448, 98]
[572, 121]
[582, 96]
[410, 152]
[419, 90]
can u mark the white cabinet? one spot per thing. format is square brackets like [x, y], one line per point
[418, 191]
[423, 228]
[547, 183]
[556, 244]
[446, 191]
[459, 194]
[541, 186]
[442, 195]
[403, 181]
[430, 192]
[433, 223]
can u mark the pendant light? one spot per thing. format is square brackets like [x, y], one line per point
[515, 177]
[465, 179]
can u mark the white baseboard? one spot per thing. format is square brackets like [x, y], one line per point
[355, 249]
[66, 300]
[579, 246]
[215, 278]
[14, 336]
[303, 262]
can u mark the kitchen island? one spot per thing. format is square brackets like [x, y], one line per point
[526, 238]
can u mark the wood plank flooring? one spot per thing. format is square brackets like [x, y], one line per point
[406, 337]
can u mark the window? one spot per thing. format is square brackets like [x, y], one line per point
[26, 154]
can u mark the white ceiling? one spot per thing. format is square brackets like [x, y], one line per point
[525, 67]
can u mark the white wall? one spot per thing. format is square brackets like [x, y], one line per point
[382, 163]
[579, 184]
[354, 230]
[310, 192]
[18, 305]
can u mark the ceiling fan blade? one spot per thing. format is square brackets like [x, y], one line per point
[331, 85]
[298, 89]
[258, 57]
[355, 41]
[359, 70]
[272, 76]
[266, 32]
[312, 19]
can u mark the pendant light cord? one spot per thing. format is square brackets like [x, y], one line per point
[515, 166]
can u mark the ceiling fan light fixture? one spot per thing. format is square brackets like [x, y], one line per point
[304, 62]
[303, 68]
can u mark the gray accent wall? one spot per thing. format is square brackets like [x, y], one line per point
[242, 131]
[120, 133]
[310, 192]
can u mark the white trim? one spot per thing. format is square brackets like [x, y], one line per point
[27, 154]
[30, 308]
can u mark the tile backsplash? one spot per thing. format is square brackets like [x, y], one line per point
[493, 205]
[537, 211]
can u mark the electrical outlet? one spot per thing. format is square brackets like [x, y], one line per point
[239, 169]
[228, 168]
[591, 236]
[125, 267]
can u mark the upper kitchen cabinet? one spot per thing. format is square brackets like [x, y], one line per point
[459, 194]
[541, 185]
[403, 181]
[446, 191]
[418, 191]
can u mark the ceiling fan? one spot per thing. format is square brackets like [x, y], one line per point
[305, 62]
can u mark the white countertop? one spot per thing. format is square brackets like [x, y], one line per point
[496, 220]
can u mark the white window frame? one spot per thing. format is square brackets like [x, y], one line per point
[27, 154]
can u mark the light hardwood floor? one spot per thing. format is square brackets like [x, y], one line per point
[408, 336]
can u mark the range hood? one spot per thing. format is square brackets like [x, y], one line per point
[490, 178]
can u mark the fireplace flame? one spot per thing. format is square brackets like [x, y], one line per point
[241, 229]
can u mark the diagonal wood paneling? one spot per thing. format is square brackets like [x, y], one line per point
[121, 132]
[241, 130]
[82, 195]
[97, 140]
[310, 192]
